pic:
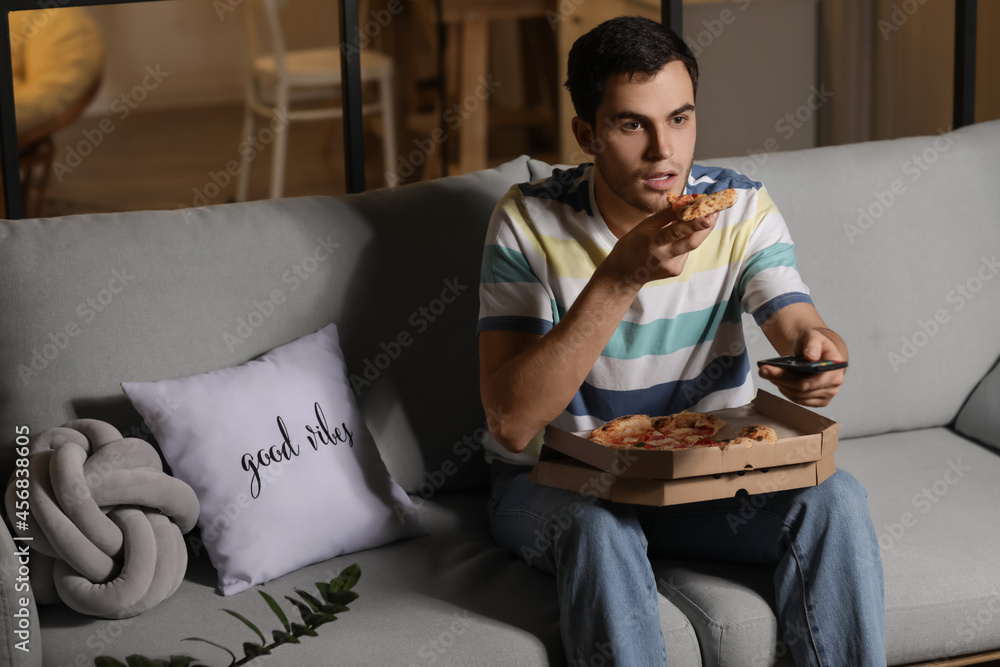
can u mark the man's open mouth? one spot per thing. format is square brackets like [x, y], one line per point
[661, 180]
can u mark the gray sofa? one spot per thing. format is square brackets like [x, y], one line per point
[897, 240]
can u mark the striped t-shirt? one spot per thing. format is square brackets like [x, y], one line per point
[680, 345]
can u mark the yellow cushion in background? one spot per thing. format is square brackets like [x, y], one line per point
[58, 55]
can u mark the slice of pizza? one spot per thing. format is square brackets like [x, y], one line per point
[677, 432]
[622, 432]
[689, 423]
[691, 207]
[759, 433]
[751, 435]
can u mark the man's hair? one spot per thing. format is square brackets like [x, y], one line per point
[626, 45]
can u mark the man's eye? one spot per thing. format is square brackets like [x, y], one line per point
[678, 120]
[631, 126]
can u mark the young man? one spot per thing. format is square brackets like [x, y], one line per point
[596, 301]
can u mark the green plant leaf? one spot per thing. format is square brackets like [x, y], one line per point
[199, 639]
[143, 661]
[324, 589]
[348, 577]
[284, 637]
[343, 597]
[251, 650]
[317, 619]
[311, 599]
[248, 624]
[107, 661]
[336, 596]
[298, 630]
[277, 610]
[303, 608]
[333, 608]
[181, 660]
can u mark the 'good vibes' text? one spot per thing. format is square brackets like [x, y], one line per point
[320, 434]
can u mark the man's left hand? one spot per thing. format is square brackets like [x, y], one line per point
[815, 390]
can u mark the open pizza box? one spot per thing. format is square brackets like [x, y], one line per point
[802, 456]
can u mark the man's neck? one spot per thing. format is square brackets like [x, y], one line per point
[619, 216]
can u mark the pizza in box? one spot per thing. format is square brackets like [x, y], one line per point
[684, 430]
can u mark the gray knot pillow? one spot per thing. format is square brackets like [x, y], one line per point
[107, 515]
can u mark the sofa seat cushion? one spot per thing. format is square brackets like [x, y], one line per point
[933, 497]
[450, 598]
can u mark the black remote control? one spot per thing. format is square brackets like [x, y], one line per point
[803, 365]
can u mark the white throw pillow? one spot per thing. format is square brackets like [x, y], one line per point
[284, 467]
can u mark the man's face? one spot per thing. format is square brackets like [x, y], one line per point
[643, 145]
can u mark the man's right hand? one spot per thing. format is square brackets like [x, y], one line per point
[657, 247]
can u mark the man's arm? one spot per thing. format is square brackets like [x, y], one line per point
[527, 380]
[799, 329]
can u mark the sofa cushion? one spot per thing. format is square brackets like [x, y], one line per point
[933, 497]
[92, 300]
[450, 598]
[931, 493]
[980, 418]
[285, 470]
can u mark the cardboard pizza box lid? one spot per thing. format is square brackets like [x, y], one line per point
[567, 473]
[803, 436]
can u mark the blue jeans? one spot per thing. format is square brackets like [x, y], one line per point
[827, 579]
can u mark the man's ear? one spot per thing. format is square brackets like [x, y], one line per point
[584, 134]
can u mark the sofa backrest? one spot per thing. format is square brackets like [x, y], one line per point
[89, 301]
[899, 242]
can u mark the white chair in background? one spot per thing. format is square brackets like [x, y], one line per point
[280, 77]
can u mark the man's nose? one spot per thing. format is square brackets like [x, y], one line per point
[660, 146]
